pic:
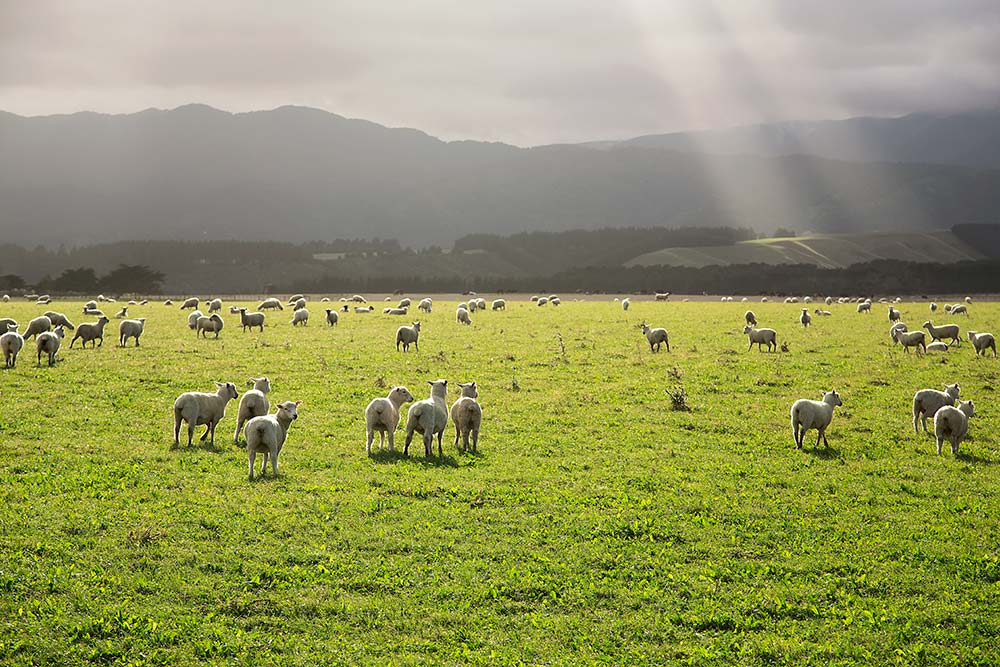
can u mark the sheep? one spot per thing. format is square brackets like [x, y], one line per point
[894, 315]
[251, 320]
[953, 423]
[750, 317]
[542, 300]
[555, 302]
[662, 296]
[6, 298]
[947, 307]
[130, 329]
[253, 403]
[957, 308]
[763, 299]
[91, 332]
[807, 414]
[213, 323]
[910, 339]
[6, 324]
[197, 408]
[553, 296]
[968, 299]
[357, 298]
[168, 302]
[144, 302]
[408, 335]
[395, 311]
[534, 297]
[983, 342]
[404, 303]
[425, 305]
[761, 336]
[11, 343]
[331, 317]
[382, 415]
[823, 313]
[626, 303]
[299, 304]
[462, 316]
[428, 417]
[325, 299]
[828, 300]
[364, 309]
[90, 305]
[49, 342]
[270, 304]
[37, 326]
[498, 304]
[473, 305]
[94, 312]
[190, 303]
[121, 314]
[467, 415]
[901, 326]
[928, 401]
[301, 316]
[214, 306]
[193, 319]
[266, 435]
[805, 318]
[295, 297]
[463, 304]
[234, 310]
[937, 346]
[865, 307]
[944, 331]
[656, 337]
[933, 306]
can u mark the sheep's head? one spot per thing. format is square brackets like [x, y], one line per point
[747, 329]
[832, 397]
[952, 390]
[227, 390]
[262, 385]
[402, 394]
[289, 410]
[469, 389]
[438, 387]
[103, 320]
[967, 407]
[58, 331]
[416, 326]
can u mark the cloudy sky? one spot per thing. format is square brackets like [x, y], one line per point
[523, 72]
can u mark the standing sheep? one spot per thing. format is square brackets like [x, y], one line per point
[894, 315]
[301, 316]
[299, 304]
[750, 317]
[928, 401]
[59, 320]
[462, 316]
[266, 435]
[331, 317]
[625, 303]
[428, 417]
[425, 305]
[910, 339]
[404, 303]
[251, 320]
[408, 336]
[91, 332]
[467, 415]
[933, 306]
[253, 403]
[214, 306]
[901, 326]
[943, 331]
[130, 329]
[807, 414]
[953, 423]
[270, 304]
[656, 337]
[213, 323]
[11, 343]
[958, 308]
[197, 408]
[761, 337]
[983, 342]
[193, 319]
[49, 342]
[382, 415]
[37, 326]
[805, 318]
[498, 304]
[865, 307]
[190, 303]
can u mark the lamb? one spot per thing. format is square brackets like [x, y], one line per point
[266, 435]
[865, 307]
[933, 306]
[37, 326]
[894, 315]
[957, 308]
[214, 306]
[625, 303]
[953, 423]
[807, 414]
[662, 296]
[251, 320]
[213, 323]
[467, 415]
[59, 320]
[498, 304]
[462, 316]
[928, 401]
[761, 336]
[270, 304]
[425, 305]
[301, 316]
[197, 408]
[910, 339]
[11, 343]
[428, 417]
[49, 342]
[331, 317]
[299, 304]
[193, 319]
[364, 309]
[937, 346]
[382, 415]
[944, 331]
[404, 303]
[123, 313]
[901, 326]
[91, 332]
[408, 335]
[805, 318]
[750, 317]
[656, 337]
[130, 329]
[253, 403]
[983, 342]
[190, 303]
[395, 311]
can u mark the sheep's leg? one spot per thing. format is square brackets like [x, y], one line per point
[252, 455]
[668, 345]
[409, 437]
[191, 427]
[465, 440]
[940, 443]
[368, 445]
[417, 347]
[954, 445]
[391, 436]
[440, 435]
[475, 437]
[214, 424]
[274, 461]
[456, 438]
[208, 427]
[428, 444]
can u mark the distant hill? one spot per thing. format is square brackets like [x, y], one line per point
[296, 175]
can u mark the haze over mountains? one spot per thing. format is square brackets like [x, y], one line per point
[297, 174]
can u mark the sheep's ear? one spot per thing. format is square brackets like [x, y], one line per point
[219, 384]
[298, 403]
[430, 382]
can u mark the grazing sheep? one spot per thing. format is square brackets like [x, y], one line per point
[91, 332]
[408, 335]
[957, 308]
[214, 306]
[168, 302]
[498, 304]
[763, 299]
[364, 309]
[943, 331]
[968, 299]
[463, 304]
[37, 326]
[190, 303]
[761, 337]
[325, 299]
[382, 415]
[270, 304]
[807, 414]
[473, 305]
[555, 302]
[467, 415]
[953, 423]
[425, 305]
[6, 298]
[828, 300]
[933, 306]
[894, 315]
[295, 297]
[197, 408]
[947, 307]
[193, 319]
[251, 320]
[11, 343]
[983, 342]
[662, 296]
[805, 318]
[534, 297]
[90, 305]
[49, 342]
[395, 311]
[331, 317]
[428, 417]
[656, 337]
[253, 403]
[928, 401]
[213, 323]
[266, 435]
[404, 303]
[357, 298]
[301, 316]
[937, 346]
[123, 313]
[626, 303]
[750, 317]
[462, 316]
[910, 339]
[900, 326]
[130, 329]
[59, 320]
[299, 304]
[865, 307]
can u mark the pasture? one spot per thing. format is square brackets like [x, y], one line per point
[596, 525]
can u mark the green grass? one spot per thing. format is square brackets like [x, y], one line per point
[596, 526]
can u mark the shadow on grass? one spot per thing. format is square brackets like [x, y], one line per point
[397, 456]
[972, 459]
[205, 446]
[825, 453]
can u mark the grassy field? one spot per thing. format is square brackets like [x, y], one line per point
[596, 525]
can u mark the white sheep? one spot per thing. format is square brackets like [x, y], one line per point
[363, 309]
[121, 314]
[94, 312]
[467, 415]
[498, 304]
[761, 337]
[59, 320]
[947, 307]
[6, 298]
[968, 299]
[90, 305]
[300, 316]
[626, 303]
[299, 304]
[943, 331]
[404, 303]
[937, 346]
[168, 302]
[193, 319]
[805, 318]
[894, 315]
[407, 336]
[395, 311]
[928, 401]
[8, 324]
[910, 339]
[357, 298]
[266, 435]
[234, 310]
[11, 343]
[933, 306]
[91, 332]
[953, 423]
[958, 308]
[473, 305]
[253, 403]
[555, 302]
[462, 316]
[251, 320]
[750, 317]
[325, 299]
[763, 299]
[332, 317]
[865, 307]
[214, 305]
[213, 323]
[983, 342]
[662, 296]
[656, 337]
[197, 408]
[534, 297]
[425, 305]
[295, 297]
[130, 329]
[901, 326]
[36, 326]
[428, 417]
[49, 342]
[190, 303]
[807, 414]
[270, 303]
[823, 313]
[382, 415]
[828, 300]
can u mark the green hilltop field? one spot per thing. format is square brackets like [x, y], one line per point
[597, 525]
